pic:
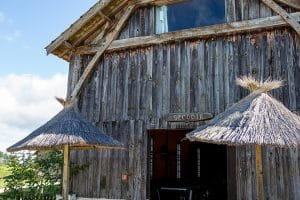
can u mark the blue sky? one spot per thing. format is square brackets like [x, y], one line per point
[26, 27]
[29, 79]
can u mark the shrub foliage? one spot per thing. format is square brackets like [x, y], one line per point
[36, 175]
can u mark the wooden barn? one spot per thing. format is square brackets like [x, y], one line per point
[149, 71]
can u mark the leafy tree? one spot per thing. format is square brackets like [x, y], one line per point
[36, 175]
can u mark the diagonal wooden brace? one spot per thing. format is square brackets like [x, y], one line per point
[108, 40]
[286, 16]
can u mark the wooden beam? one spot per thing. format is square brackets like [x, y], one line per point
[68, 45]
[105, 17]
[259, 173]
[286, 17]
[108, 40]
[66, 172]
[70, 49]
[99, 24]
[100, 36]
[201, 32]
[77, 25]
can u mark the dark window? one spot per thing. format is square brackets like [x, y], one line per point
[190, 14]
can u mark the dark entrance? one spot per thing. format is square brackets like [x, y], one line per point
[183, 170]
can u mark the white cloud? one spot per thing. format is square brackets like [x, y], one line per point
[26, 102]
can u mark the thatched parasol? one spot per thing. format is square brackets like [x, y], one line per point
[67, 130]
[256, 119]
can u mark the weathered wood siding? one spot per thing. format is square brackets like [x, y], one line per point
[140, 24]
[131, 91]
[239, 10]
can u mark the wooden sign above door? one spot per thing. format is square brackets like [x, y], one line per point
[188, 117]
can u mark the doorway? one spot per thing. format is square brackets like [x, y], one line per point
[183, 170]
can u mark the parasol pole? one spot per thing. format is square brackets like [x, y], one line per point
[259, 173]
[66, 170]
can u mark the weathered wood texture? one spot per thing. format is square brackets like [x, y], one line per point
[283, 13]
[141, 23]
[238, 10]
[131, 91]
[109, 37]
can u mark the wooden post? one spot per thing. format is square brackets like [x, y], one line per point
[286, 16]
[259, 173]
[66, 170]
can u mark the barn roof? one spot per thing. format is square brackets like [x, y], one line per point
[90, 24]
[84, 27]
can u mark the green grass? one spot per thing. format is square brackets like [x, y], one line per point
[3, 172]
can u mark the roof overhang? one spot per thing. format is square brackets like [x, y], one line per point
[91, 23]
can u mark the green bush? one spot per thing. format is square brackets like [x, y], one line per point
[36, 175]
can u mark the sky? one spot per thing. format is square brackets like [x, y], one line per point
[29, 79]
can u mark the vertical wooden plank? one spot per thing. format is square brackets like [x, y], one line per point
[202, 78]
[294, 173]
[270, 171]
[291, 72]
[209, 79]
[119, 86]
[221, 62]
[173, 73]
[166, 80]
[149, 87]
[131, 84]
[264, 11]
[137, 92]
[157, 80]
[238, 10]
[230, 11]
[184, 77]
[245, 9]
[143, 103]
[104, 88]
[144, 168]
[249, 177]
[253, 9]
[98, 92]
[231, 71]
[241, 166]
[194, 67]
[126, 79]
[113, 86]
[131, 160]
[226, 73]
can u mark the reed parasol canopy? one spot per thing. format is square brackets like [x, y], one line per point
[256, 119]
[67, 130]
[68, 127]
